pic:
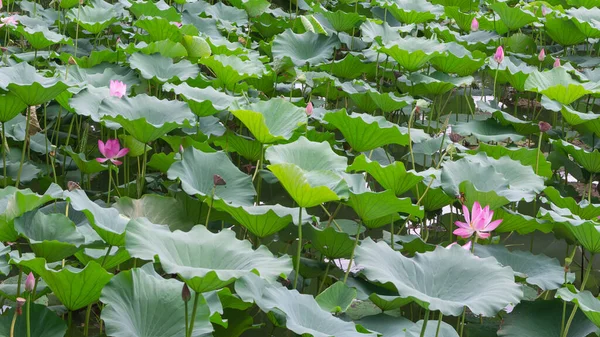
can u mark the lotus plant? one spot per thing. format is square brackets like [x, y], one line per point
[556, 63]
[478, 222]
[29, 288]
[474, 25]
[111, 150]
[117, 88]
[498, 57]
[542, 55]
[309, 109]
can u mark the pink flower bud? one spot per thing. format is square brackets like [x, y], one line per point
[544, 127]
[30, 282]
[542, 55]
[474, 25]
[186, 295]
[556, 63]
[309, 108]
[218, 180]
[499, 55]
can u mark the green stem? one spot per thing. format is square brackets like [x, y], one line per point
[462, 321]
[356, 239]
[588, 270]
[109, 183]
[28, 314]
[324, 277]
[12, 325]
[193, 318]
[5, 148]
[425, 320]
[88, 311]
[27, 115]
[143, 177]
[70, 324]
[106, 256]
[590, 188]
[212, 198]
[185, 304]
[437, 331]
[299, 250]
[495, 79]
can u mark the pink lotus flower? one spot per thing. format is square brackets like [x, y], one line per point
[178, 24]
[117, 88]
[479, 222]
[10, 20]
[309, 108]
[542, 55]
[474, 25]
[499, 55]
[556, 63]
[111, 150]
[30, 282]
[0, 4]
[466, 246]
[544, 10]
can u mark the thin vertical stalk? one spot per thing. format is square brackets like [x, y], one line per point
[299, 250]
[193, 318]
[425, 320]
[324, 278]
[5, 148]
[588, 270]
[356, 239]
[27, 121]
[439, 325]
[86, 327]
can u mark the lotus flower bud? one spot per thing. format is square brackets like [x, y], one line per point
[474, 25]
[499, 55]
[218, 180]
[556, 63]
[30, 282]
[180, 148]
[72, 61]
[544, 127]
[186, 295]
[71, 186]
[309, 109]
[542, 55]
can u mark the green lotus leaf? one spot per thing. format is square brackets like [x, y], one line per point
[487, 131]
[162, 68]
[369, 99]
[246, 147]
[196, 46]
[413, 53]
[66, 4]
[196, 171]
[153, 9]
[337, 298]
[513, 17]
[307, 155]
[41, 37]
[463, 19]
[584, 122]
[506, 177]
[585, 301]
[527, 157]
[332, 242]
[459, 60]
[107, 222]
[436, 83]
[10, 107]
[230, 70]
[589, 160]
[583, 209]
[304, 48]
[521, 126]
[15, 129]
[452, 272]
[272, 120]
[539, 270]
[302, 313]
[254, 8]
[374, 205]
[512, 70]
[408, 11]
[84, 165]
[15, 202]
[108, 260]
[350, 67]
[97, 18]
[136, 301]
[157, 209]
[228, 14]
[365, 132]
[563, 31]
[558, 85]
[262, 220]
[75, 288]
[158, 29]
[543, 318]
[23, 81]
[587, 232]
[53, 236]
[587, 20]
[522, 224]
[391, 177]
[341, 21]
[44, 322]
[382, 33]
[391, 326]
[206, 261]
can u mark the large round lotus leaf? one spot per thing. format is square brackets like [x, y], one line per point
[513, 17]
[155, 9]
[459, 60]
[84, 165]
[453, 275]
[522, 224]
[563, 31]
[231, 70]
[162, 68]
[99, 255]
[262, 220]
[304, 48]
[522, 127]
[557, 84]
[246, 147]
[374, 205]
[97, 18]
[341, 21]
[206, 261]
[587, 232]
[408, 11]
[587, 302]
[436, 83]
[44, 322]
[107, 222]
[583, 209]
[144, 117]
[158, 209]
[381, 33]
[203, 101]
[53, 236]
[332, 242]
[349, 67]
[508, 178]
[307, 155]
[543, 318]
[370, 99]
[512, 70]
[196, 172]
[390, 326]
[589, 160]
[412, 53]
[302, 314]
[10, 107]
[41, 37]
[583, 122]
[271, 121]
[391, 177]
[337, 298]
[137, 300]
[527, 157]
[539, 270]
[23, 81]
[158, 29]
[75, 288]
[487, 131]
[587, 20]
[15, 202]
[366, 132]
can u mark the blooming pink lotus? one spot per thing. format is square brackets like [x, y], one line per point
[10, 20]
[474, 25]
[542, 55]
[111, 150]
[309, 108]
[117, 88]
[499, 55]
[556, 63]
[478, 222]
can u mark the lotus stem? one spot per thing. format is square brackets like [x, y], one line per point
[356, 239]
[588, 270]
[437, 331]
[212, 199]
[70, 324]
[28, 314]
[193, 318]
[27, 117]
[109, 183]
[425, 320]
[299, 250]
[185, 308]
[77, 29]
[106, 256]
[88, 311]
[12, 324]
[410, 148]
[142, 180]
[495, 79]
[5, 148]
[590, 188]
[324, 277]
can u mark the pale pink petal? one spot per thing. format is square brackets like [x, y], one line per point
[483, 235]
[122, 152]
[463, 232]
[466, 214]
[462, 224]
[101, 160]
[112, 148]
[101, 147]
[468, 245]
[493, 225]
[475, 212]
[116, 162]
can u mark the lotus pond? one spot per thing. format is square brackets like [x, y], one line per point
[395, 168]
